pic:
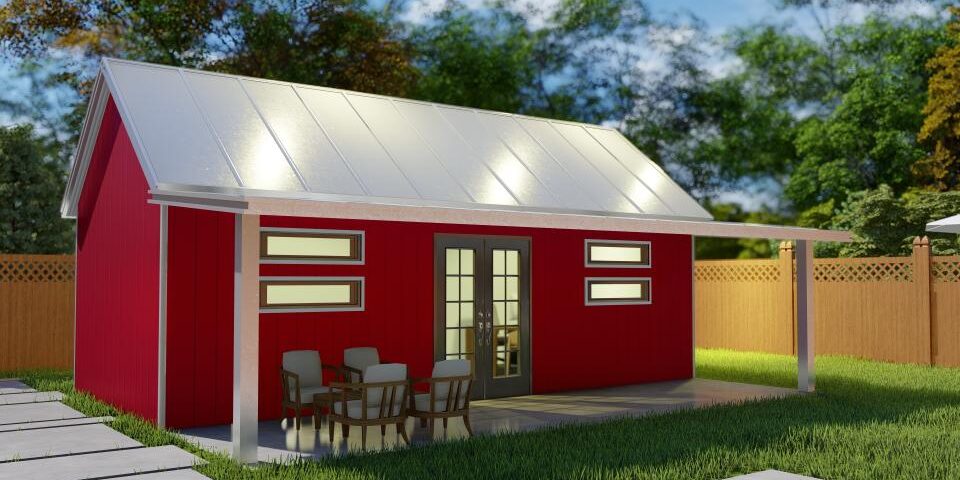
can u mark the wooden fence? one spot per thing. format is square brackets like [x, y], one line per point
[898, 309]
[904, 309]
[36, 311]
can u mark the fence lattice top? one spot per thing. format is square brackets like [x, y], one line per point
[848, 270]
[946, 269]
[36, 268]
[754, 271]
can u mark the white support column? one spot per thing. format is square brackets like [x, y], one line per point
[162, 332]
[805, 351]
[246, 341]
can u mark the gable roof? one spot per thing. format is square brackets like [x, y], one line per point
[196, 131]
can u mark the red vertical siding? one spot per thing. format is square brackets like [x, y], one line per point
[118, 255]
[573, 346]
[199, 317]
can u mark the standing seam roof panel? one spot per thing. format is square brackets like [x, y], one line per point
[538, 161]
[634, 189]
[586, 174]
[178, 145]
[319, 163]
[526, 188]
[444, 141]
[348, 132]
[403, 144]
[644, 168]
[246, 139]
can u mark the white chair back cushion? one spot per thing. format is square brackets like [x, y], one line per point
[360, 358]
[451, 368]
[306, 364]
[386, 372]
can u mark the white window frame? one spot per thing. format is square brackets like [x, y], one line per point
[361, 248]
[306, 309]
[596, 241]
[590, 303]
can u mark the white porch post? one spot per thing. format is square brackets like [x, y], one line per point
[805, 352]
[246, 341]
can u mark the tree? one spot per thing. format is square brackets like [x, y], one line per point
[571, 67]
[940, 169]
[30, 189]
[884, 224]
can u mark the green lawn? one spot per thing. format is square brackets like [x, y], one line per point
[868, 420]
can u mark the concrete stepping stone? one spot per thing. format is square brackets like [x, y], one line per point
[96, 465]
[48, 442]
[12, 385]
[14, 427]
[36, 412]
[186, 474]
[772, 475]
[30, 397]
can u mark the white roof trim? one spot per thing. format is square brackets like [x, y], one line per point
[366, 210]
[945, 225]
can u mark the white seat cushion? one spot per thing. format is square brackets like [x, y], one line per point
[306, 364]
[354, 408]
[360, 358]
[422, 403]
[450, 368]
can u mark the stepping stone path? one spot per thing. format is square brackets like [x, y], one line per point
[41, 438]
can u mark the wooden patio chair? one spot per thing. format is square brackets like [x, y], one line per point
[448, 395]
[380, 400]
[301, 379]
[356, 360]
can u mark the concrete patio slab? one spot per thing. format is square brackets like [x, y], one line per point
[13, 385]
[30, 397]
[48, 442]
[15, 427]
[772, 475]
[96, 465]
[36, 412]
[280, 440]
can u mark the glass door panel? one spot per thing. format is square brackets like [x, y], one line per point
[505, 295]
[459, 303]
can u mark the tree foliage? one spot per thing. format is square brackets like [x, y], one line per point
[940, 169]
[30, 189]
[884, 224]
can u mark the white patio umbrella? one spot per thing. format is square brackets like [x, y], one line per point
[945, 225]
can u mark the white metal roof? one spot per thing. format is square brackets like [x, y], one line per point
[203, 131]
[945, 225]
[238, 144]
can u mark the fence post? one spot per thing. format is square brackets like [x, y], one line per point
[785, 266]
[921, 281]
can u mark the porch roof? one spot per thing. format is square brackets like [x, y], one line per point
[945, 225]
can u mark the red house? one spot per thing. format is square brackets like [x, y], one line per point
[223, 220]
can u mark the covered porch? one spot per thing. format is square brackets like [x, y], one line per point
[278, 439]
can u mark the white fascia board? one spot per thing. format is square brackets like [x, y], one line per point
[84, 151]
[357, 210]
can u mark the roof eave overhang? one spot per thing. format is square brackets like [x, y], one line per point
[494, 216]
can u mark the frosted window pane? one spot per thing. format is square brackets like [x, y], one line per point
[513, 262]
[452, 261]
[309, 247]
[308, 294]
[602, 291]
[453, 289]
[466, 262]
